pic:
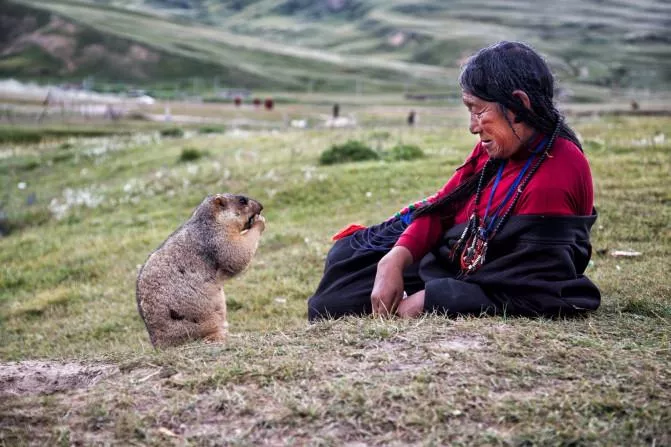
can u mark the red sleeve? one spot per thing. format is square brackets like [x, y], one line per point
[562, 186]
[424, 232]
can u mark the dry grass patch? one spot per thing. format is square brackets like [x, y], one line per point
[464, 381]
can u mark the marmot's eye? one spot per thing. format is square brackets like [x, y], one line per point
[243, 201]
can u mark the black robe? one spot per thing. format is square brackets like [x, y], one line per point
[534, 267]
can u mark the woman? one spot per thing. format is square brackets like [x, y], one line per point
[508, 233]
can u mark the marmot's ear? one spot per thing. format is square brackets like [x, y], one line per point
[221, 201]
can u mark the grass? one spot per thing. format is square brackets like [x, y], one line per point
[67, 297]
[24, 135]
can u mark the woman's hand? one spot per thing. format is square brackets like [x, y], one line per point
[412, 306]
[388, 287]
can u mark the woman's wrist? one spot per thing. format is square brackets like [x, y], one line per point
[397, 258]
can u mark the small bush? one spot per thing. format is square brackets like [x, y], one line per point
[172, 132]
[191, 154]
[352, 150]
[405, 152]
[212, 129]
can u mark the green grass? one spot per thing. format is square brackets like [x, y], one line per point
[67, 288]
[26, 134]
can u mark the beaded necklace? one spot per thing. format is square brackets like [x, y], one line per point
[474, 241]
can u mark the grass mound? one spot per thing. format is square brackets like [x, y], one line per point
[350, 151]
[191, 154]
[172, 132]
[211, 129]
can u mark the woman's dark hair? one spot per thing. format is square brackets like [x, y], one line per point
[493, 74]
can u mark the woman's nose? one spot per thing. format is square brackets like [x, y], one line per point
[474, 125]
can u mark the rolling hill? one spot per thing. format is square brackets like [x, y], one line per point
[331, 45]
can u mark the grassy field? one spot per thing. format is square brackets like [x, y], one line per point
[82, 214]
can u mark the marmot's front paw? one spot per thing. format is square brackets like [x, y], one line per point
[260, 222]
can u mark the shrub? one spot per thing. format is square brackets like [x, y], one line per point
[212, 129]
[174, 132]
[405, 152]
[191, 154]
[352, 150]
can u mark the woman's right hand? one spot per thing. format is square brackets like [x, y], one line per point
[388, 287]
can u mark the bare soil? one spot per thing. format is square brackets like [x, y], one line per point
[40, 377]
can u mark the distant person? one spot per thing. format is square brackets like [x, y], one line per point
[411, 118]
[336, 110]
[507, 234]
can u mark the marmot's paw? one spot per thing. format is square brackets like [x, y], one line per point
[256, 220]
[260, 221]
[216, 337]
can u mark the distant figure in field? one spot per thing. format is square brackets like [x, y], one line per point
[411, 118]
[336, 110]
[256, 102]
[237, 101]
[269, 104]
[634, 105]
[508, 234]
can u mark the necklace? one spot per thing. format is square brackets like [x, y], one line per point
[474, 240]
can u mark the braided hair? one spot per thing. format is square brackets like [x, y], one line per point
[493, 74]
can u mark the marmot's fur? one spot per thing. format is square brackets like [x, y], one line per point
[179, 289]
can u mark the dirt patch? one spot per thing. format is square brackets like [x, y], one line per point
[38, 377]
[461, 344]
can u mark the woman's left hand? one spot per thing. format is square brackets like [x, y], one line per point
[412, 306]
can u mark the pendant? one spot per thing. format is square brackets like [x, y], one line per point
[474, 253]
[464, 238]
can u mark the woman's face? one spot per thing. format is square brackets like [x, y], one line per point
[495, 131]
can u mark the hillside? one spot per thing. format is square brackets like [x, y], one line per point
[333, 44]
[35, 43]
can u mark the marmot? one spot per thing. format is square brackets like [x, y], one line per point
[179, 289]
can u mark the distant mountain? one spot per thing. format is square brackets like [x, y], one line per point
[37, 44]
[330, 44]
